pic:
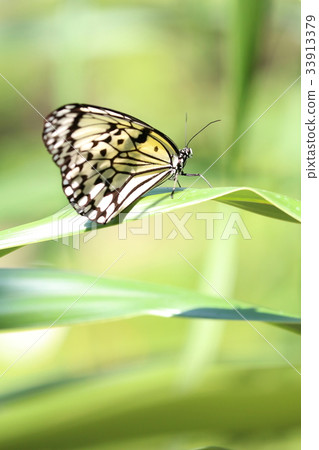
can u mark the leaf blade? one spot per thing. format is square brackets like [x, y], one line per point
[67, 222]
[45, 298]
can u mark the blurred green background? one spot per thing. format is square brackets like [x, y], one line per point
[154, 382]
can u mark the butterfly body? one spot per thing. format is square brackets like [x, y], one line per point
[109, 159]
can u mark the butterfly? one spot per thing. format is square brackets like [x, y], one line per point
[109, 159]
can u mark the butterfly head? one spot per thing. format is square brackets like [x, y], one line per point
[187, 151]
[184, 154]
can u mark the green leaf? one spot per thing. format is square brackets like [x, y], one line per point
[43, 298]
[67, 222]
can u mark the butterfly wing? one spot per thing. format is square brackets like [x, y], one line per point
[107, 159]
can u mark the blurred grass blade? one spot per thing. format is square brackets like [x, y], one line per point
[6, 251]
[90, 411]
[246, 43]
[67, 222]
[37, 298]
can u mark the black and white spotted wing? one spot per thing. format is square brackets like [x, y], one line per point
[108, 159]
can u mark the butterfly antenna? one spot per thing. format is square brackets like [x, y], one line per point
[202, 129]
[185, 129]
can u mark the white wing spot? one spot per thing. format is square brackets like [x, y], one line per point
[60, 130]
[96, 189]
[76, 183]
[69, 191]
[104, 203]
[92, 215]
[87, 146]
[110, 209]
[83, 201]
[61, 113]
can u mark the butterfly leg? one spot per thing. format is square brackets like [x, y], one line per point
[174, 186]
[196, 175]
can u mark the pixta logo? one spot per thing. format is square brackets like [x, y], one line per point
[232, 225]
[71, 229]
